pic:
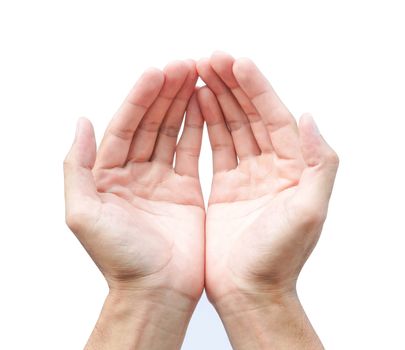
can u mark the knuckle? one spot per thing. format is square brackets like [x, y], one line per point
[235, 124]
[219, 146]
[149, 125]
[169, 130]
[123, 133]
[188, 150]
[194, 125]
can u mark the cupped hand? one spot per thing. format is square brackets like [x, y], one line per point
[271, 186]
[138, 215]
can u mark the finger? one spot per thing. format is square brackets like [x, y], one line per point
[168, 132]
[114, 147]
[145, 136]
[316, 183]
[189, 146]
[238, 124]
[222, 64]
[80, 189]
[223, 149]
[279, 122]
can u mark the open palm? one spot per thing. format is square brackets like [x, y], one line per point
[140, 217]
[271, 186]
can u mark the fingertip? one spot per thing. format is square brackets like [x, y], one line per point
[222, 64]
[152, 70]
[176, 67]
[309, 139]
[192, 68]
[202, 64]
[190, 62]
[79, 123]
[76, 139]
[149, 84]
[243, 68]
[219, 55]
[85, 142]
[218, 52]
[154, 74]
[315, 150]
[176, 73]
[308, 124]
[84, 127]
[243, 63]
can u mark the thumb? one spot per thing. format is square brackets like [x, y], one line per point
[79, 181]
[316, 183]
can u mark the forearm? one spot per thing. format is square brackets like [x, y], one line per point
[138, 320]
[261, 321]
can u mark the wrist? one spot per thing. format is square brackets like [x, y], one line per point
[142, 319]
[266, 320]
[153, 300]
[240, 302]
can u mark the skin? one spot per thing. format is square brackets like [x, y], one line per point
[142, 220]
[270, 192]
[124, 204]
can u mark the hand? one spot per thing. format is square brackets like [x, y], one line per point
[140, 217]
[270, 191]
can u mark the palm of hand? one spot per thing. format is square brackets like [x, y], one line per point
[146, 226]
[251, 223]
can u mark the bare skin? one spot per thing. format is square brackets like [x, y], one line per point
[142, 220]
[270, 191]
[139, 216]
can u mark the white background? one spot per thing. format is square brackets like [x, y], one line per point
[342, 60]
